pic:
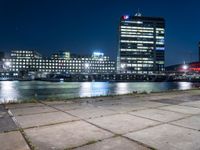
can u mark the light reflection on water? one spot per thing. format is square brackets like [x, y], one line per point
[14, 90]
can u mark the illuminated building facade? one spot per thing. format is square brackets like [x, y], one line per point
[199, 51]
[62, 62]
[141, 45]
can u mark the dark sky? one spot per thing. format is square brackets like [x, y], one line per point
[82, 26]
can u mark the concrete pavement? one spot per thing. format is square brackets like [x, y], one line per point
[161, 121]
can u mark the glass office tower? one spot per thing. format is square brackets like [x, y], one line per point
[141, 45]
[199, 51]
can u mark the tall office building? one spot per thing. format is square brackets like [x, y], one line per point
[141, 45]
[199, 51]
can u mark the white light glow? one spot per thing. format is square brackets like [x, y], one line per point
[87, 65]
[7, 64]
[185, 67]
[123, 66]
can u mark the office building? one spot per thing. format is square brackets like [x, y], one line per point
[61, 62]
[2, 55]
[199, 51]
[141, 45]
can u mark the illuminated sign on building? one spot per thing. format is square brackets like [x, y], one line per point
[126, 17]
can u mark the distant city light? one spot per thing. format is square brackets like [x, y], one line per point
[98, 54]
[87, 65]
[7, 63]
[123, 66]
[185, 67]
[160, 48]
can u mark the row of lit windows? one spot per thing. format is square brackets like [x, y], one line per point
[64, 70]
[134, 22]
[137, 33]
[56, 64]
[138, 36]
[133, 27]
[139, 65]
[133, 50]
[131, 30]
[142, 42]
[58, 61]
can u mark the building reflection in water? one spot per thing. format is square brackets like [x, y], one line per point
[8, 92]
[184, 85]
[122, 88]
[88, 89]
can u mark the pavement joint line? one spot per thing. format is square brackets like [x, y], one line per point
[167, 122]
[36, 113]
[104, 128]
[31, 147]
[179, 112]
[146, 118]
[7, 107]
[139, 143]
[138, 109]
[92, 142]
[189, 106]
[52, 124]
[171, 123]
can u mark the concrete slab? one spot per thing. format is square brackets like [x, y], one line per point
[12, 141]
[159, 115]
[122, 123]
[60, 102]
[91, 112]
[44, 119]
[2, 111]
[65, 107]
[172, 101]
[117, 143]
[1, 108]
[192, 104]
[65, 135]
[191, 122]
[31, 110]
[181, 109]
[6, 123]
[23, 105]
[165, 137]
[124, 107]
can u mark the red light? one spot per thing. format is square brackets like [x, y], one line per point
[126, 17]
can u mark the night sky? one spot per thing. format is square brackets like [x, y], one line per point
[82, 26]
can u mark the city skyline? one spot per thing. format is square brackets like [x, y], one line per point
[43, 26]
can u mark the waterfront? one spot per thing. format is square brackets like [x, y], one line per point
[161, 121]
[29, 90]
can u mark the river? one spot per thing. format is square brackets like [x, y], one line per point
[29, 90]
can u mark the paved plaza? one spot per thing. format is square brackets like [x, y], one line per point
[163, 121]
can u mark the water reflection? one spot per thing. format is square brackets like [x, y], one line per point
[8, 91]
[122, 88]
[14, 91]
[184, 85]
[88, 89]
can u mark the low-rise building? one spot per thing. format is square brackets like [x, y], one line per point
[64, 62]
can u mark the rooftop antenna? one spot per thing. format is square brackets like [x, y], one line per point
[138, 14]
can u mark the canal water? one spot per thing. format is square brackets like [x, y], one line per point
[30, 90]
